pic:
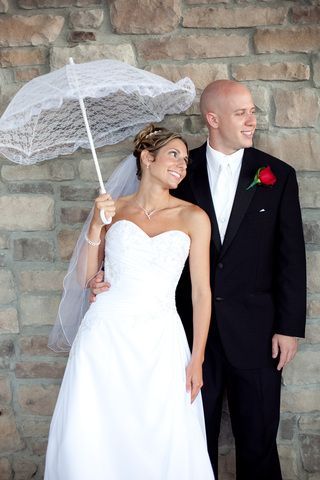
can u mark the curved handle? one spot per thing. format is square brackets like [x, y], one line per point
[106, 221]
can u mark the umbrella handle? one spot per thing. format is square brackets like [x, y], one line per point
[105, 220]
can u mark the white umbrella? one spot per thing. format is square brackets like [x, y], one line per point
[43, 120]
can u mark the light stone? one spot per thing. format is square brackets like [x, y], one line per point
[38, 310]
[7, 290]
[59, 56]
[303, 370]
[38, 399]
[313, 270]
[8, 317]
[296, 108]
[28, 213]
[10, 440]
[30, 30]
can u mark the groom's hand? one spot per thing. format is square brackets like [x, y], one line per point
[97, 285]
[286, 346]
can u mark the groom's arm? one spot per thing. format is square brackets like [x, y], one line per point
[290, 285]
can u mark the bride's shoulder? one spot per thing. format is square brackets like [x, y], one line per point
[194, 217]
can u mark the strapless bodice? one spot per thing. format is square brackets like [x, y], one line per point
[143, 266]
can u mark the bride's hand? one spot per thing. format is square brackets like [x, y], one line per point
[105, 203]
[194, 380]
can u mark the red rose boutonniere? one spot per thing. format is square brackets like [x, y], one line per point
[264, 176]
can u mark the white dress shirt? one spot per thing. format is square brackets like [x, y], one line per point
[223, 185]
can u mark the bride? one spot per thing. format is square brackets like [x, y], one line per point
[129, 406]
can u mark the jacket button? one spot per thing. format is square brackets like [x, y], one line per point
[220, 265]
[219, 299]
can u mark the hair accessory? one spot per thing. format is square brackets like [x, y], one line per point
[94, 244]
[152, 133]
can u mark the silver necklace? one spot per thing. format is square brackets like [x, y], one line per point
[149, 214]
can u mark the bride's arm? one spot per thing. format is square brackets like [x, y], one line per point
[96, 234]
[199, 261]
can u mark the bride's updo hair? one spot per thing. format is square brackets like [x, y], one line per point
[152, 138]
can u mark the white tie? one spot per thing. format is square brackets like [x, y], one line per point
[221, 197]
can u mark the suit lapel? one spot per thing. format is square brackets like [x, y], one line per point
[199, 183]
[242, 198]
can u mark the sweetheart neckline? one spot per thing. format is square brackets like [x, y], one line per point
[145, 233]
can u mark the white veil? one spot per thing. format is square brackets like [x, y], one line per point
[74, 301]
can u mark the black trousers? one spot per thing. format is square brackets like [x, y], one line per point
[254, 404]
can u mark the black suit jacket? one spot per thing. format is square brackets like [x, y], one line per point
[258, 275]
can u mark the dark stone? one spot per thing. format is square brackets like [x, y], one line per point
[310, 452]
[31, 188]
[6, 353]
[30, 249]
[78, 193]
[77, 37]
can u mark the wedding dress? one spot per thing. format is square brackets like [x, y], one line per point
[123, 412]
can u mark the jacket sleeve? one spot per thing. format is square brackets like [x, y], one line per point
[290, 264]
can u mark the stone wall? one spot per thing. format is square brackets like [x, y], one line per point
[272, 46]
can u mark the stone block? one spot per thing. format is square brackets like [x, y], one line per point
[59, 56]
[300, 400]
[74, 193]
[287, 426]
[288, 461]
[86, 19]
[309, 190]
[312, 333]
[3, 9]
[5, 469]
[316, 70]
[88, 172]
[299, 149]
[38, 310]
[296, 108]
[82, 36]
[59, 170]
[43, 187]
[87, 3]
[74, 215]
[26, 212]
[37, 399]
[9, 321]
[35, 345]
[235, 17]
[28, 4]
[33, 249]
[7, 290]
[24, 468]
[200, 73]
[7, 353]
[313, 271]
[17, 57]
[41, 280]
[313, 306]
[305, 14]
[311, 228]
[18, 30]
[26, 74]
[310, 448]
[5, 390]
[35, 426]
[198, 2]
[39, 370]
[193, 47]
[139, 16]
[303, 370]
[287, 71]
[66, 242]
[309, 423]
[38, 446]
[291, 39]
[4, 240]
[10, 440]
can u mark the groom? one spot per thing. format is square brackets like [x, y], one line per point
[257, 277]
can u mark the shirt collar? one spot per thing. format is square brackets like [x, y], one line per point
[215, 158]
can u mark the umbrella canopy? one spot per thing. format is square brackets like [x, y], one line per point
[44, 118]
